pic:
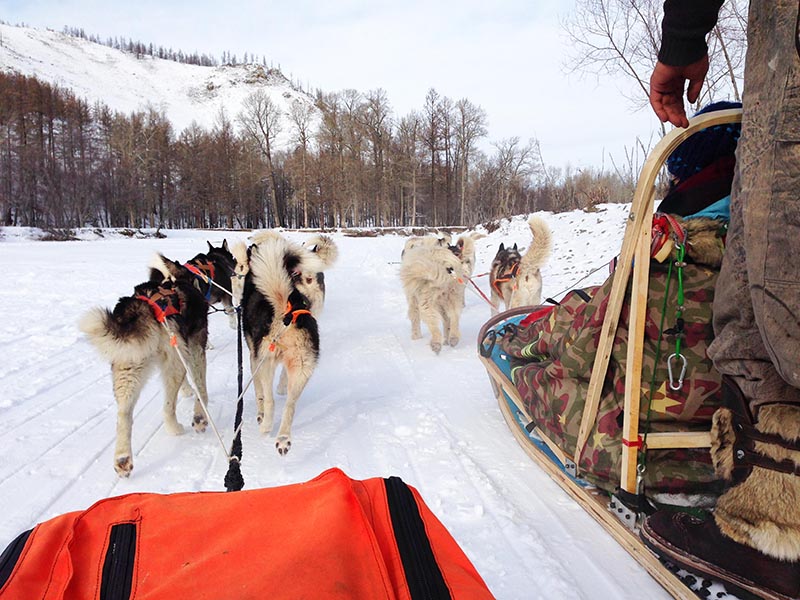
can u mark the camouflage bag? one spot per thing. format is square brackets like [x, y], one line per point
[552, 360]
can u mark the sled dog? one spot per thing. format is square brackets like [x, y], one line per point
[279, 325]
[516, 279]
[217, 266]
[433, 282]
[136, 337]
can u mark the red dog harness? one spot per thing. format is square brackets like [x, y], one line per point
[164, 302]
[507, 275]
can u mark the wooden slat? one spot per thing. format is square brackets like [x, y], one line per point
[641, 212]
[633, 369]
[679, 439]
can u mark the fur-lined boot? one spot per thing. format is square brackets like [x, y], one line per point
[752, 542]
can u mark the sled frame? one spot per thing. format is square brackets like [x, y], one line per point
[635, 256]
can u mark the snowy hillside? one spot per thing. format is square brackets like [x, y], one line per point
[184, 92]
[379, 404]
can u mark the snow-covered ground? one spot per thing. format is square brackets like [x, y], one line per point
[379, 404]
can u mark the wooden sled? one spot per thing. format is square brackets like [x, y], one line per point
[634, 259]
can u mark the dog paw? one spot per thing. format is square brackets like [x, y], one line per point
[454, 341]
[415, 335]
[174, 428]
[199, 423]
[283, 444]
[436, 347]
[123, 465]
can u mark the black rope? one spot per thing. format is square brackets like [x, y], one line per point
[233, 478]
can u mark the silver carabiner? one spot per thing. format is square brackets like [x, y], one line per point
[672, 385]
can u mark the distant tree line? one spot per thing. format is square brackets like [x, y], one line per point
[66, 163]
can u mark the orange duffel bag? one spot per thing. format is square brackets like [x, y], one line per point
[331, 537]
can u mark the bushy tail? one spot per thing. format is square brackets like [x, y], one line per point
[324, 247]
[162, 268]
[273, 261]
[540, 248]
[435, 266]
[129, 334]
[467, 244]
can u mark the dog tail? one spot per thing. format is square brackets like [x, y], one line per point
[435, 266]
[467, 244]
[239, 252]
[162, 268]
[324, 247]
[129, 334]
[273, 262]
[541, 247]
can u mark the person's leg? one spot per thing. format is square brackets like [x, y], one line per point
[757, 298]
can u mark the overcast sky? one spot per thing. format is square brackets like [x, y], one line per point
[506, 56]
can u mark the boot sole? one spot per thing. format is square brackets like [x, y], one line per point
[737, 584]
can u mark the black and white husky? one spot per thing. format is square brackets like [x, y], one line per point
[279, 325]
[164, 325]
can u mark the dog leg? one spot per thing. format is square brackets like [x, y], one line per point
[173, 374]
[197, 368]
[282, 383]
[127, 382]
[452, 318]
[413, 316]
[298, 373]
[265, 400]
[430, 315]
[496, 298]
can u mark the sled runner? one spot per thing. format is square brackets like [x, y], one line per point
[610, 391]
[331, 537]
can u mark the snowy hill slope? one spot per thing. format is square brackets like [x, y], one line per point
[185, 93]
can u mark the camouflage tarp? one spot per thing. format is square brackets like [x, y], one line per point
[552, 360]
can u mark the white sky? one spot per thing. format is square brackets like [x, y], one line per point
[506, 56]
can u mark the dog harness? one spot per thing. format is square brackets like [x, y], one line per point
[290, 316]
[203, 269]
[505, 276]
[164, 302]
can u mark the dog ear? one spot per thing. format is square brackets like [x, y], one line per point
[225, 245]
[210, 247]
[515, 247]
[502, 247]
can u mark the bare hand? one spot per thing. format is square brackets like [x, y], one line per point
[666, 89]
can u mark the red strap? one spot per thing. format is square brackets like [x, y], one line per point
[637, 444]
[160, 313]
[206, 265]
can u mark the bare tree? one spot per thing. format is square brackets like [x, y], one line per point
[302, 116]
[470, 127]
[409, 139]
[260, 119]
[516, 164]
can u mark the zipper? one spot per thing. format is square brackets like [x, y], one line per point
[117, 578]
[10, 556]
[423, 575]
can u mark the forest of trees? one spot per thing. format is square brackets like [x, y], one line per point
[65, 163]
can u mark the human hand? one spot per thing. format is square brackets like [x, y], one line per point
[666, 89]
